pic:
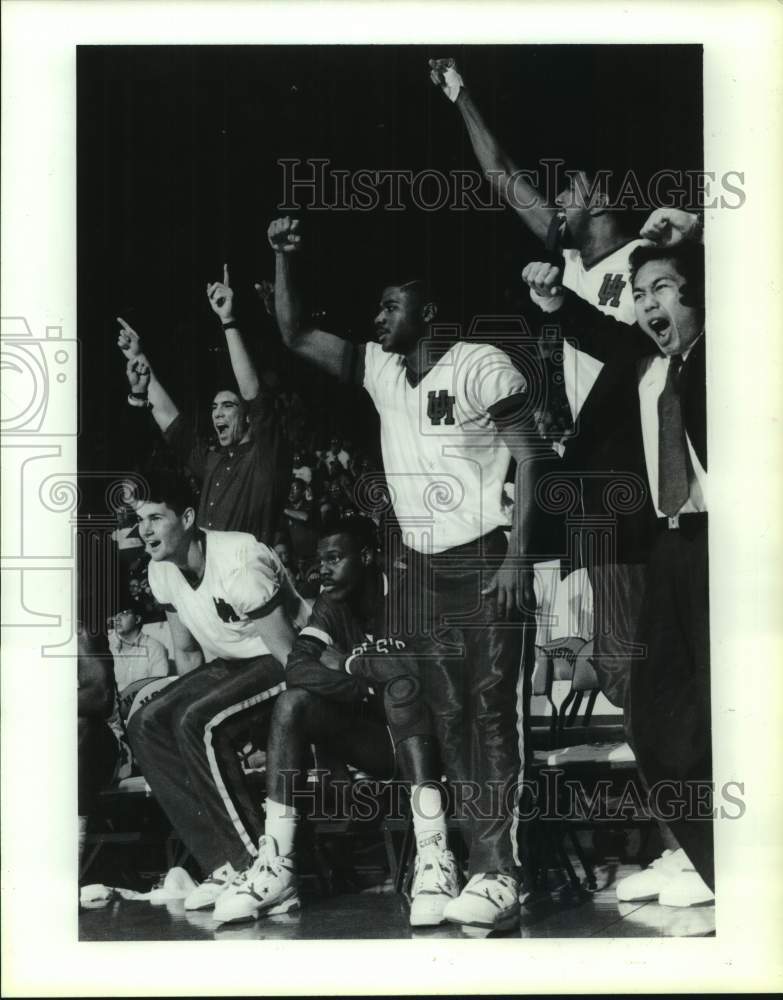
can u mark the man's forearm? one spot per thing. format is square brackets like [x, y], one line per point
[244, 370]
[501, 170]
[525, 482]
[187, 660]
[164, 409]
[288, 300]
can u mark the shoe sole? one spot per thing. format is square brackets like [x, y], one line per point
[507, 923]
[638, 899]
[427, 921]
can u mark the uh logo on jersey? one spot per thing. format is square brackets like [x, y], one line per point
[610, 290]
[225, 612]
[440, 407]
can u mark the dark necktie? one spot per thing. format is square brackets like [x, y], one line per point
[673, 487]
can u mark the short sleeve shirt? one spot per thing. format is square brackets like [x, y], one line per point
[607, 286]
[243, 580]
[444, 460]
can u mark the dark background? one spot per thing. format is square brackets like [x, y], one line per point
[177, 172]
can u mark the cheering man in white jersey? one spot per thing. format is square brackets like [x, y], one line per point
[595, 241]
[226, 595]
[452, 416]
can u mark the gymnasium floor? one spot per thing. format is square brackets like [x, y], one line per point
[378, 912]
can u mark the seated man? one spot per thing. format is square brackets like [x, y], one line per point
[344, 701]
[226, 595]
[136, 654]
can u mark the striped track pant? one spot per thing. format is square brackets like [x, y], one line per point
[185, 741]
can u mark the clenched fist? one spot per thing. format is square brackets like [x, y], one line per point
[138, 372]
[283, 235]
[443, 73]
[545, 284]
[667, 226]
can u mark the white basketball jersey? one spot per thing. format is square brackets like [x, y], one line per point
[444, 460]
[243, 580]
[606, 285]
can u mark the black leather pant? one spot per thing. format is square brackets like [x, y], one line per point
[470, 669]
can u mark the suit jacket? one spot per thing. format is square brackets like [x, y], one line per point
[606, 452]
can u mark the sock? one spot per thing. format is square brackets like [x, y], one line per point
[429, 821]
[281, 823]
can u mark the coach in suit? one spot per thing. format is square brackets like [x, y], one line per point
[662, 362]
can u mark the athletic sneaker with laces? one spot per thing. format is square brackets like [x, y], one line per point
[435, 883]
[269, 886]
[489, 900]
[211, 889]
[647, 884]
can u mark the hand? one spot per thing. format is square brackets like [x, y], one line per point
[443, 73]
[332, 658]
[266, 292]
[283, 235]
[512, 584]
[128, 341]
[544, 279]
[138, 372]
[221, 297]
[668, 226]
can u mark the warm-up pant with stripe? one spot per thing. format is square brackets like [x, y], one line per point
[185, 741]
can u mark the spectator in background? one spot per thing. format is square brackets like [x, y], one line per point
[302, 469]
[136, 655]
[301, 521]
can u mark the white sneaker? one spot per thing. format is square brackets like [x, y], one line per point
[176, 885]
[687, 888]
[269, 886]
[489, 900]
[647, 884]
[205, 895]
[435, 883]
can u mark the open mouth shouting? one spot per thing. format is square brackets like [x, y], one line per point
[662, 329]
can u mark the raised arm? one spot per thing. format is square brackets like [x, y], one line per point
[221, 300]
[333, 354]
[164, 410]
[501, 171]
[187, 652]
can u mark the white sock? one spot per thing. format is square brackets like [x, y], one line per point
[429, 821]
[281, 823]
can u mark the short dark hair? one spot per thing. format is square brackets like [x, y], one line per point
[358, 527]
[687, 256]
[168, 488]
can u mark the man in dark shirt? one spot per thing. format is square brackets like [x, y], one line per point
[245, 482]
[354, 693]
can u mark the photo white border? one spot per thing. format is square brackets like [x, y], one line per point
[742, 104]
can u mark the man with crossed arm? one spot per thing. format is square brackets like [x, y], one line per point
[452, 416]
